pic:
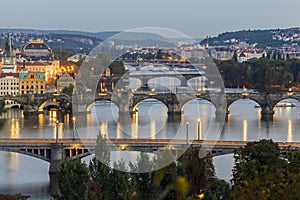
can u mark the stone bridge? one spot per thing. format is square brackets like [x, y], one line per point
[127, 102]
[266, 101]
[35, 103]
[182, 76]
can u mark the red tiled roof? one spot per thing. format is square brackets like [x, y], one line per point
[16, 75]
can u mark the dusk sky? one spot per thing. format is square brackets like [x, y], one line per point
[196, 18]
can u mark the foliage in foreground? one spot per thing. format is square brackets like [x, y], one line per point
[184, 179]
[260, 172]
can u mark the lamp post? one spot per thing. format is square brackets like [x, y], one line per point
[74, 129]
[56, 132]
[199, 129]
[187, 133]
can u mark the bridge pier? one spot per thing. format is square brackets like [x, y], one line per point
[267, 113]
[267, 116]
[174, 109]
[57, 156]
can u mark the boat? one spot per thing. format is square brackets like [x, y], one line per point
[285, 104]
[282, 104]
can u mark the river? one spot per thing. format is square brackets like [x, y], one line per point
[27, 175]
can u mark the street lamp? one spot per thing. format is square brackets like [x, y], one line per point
[74, 120]
[187, 132]
[56, 132]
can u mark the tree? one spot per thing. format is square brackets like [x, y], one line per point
[68, 90]
[73, 180]
[260, 173]
[121, 181]
[218, 189]
[142, 175]
[198, 171]
[100, 170]
[117, 68]
[288, 79]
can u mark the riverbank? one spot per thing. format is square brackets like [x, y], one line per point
[13, 197]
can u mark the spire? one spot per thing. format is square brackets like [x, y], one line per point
[9, 47]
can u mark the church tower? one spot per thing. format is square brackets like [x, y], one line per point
[9, 63]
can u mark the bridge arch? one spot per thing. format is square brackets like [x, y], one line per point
[56, 100]
[197, 98]
[285, 98]
[165, 82]
[135, 83]
[91, 104]
[197, 82]
[17, 102]
[46, 102]
[27, 153]
[137, 103]
[231, 101]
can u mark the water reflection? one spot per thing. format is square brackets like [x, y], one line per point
[245, 130]
[290, 131]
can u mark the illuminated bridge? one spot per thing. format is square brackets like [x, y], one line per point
[55, 152]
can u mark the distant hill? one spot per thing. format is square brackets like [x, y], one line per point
[64, 39]
[263, 38]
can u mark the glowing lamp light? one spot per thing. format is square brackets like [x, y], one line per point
[123, 147]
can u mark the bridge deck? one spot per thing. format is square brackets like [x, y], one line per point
[134, 142]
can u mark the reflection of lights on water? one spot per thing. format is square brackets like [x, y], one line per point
[153, 129]
[104, 129]
[119, 132]
[53, 115]
[290, 131]
[14, 161]
[199, 129]
[134, 126]
[15, 128]
[245, 130]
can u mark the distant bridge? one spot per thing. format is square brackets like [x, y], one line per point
[35, 103]
[127, 101]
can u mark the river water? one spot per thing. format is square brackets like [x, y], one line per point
[27, 175]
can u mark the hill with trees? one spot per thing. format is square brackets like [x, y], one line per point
[263, 38]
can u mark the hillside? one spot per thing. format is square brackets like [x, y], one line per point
[64, 39]
[263, 38]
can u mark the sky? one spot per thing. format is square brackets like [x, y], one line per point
[196, 18]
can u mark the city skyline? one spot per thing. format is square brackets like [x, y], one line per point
[194, 18]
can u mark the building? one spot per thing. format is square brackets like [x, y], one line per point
[37, 50]
[32, 83]
[77, 57]
[49, 68]
[9, 85]
[37, 57]
[64, 81]
[251, 54]
[9, 63]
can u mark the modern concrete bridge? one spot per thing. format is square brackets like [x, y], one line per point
[55, 152]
